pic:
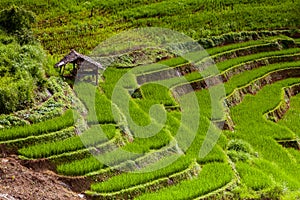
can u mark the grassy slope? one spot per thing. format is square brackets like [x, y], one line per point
[125, 181]
[69, 24]
[62, 26]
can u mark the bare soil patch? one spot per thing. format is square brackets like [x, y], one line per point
[19, 182]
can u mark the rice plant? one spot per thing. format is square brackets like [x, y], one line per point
[211, 177]
[48, 126]
[91, 137]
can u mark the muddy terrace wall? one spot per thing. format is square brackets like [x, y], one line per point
[209, 61]
[277, 113]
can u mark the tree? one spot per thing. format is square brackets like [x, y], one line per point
[17, 21]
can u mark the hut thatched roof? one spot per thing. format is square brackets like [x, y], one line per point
[77, 58]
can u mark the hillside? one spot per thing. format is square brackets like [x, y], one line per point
[82, 25]
[169, 119]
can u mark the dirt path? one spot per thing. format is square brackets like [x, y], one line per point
[19, 182]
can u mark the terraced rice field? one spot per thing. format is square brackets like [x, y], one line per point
[256, 123]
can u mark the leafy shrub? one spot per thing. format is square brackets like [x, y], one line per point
[15, 94]
[9, 120]
[240, 145]
[17, 21]
[238, 156]
[239, 150]
[21, 73]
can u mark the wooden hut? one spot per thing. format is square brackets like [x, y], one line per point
[82, 65]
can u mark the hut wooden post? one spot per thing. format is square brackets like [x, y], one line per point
[62, 70]
[97, 76]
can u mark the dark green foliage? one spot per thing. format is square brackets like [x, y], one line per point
[239, 145]
[239, 150]
[21, 74]
[17, 21]
[60, 24]
[15, 95]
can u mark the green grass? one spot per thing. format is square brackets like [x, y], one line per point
[91, 137]
[142, 145]
[247, 76]
[277, 174]
[222, 49]
[83, 25]
[263, 133]
[173, 62]
[48, 126]
[59, 25]
[291, 117]
[229, 63]
[127, 180]
[114, 76]
[80, 167]
[36, 139]
[157, 93]
[211, 177]
[98, 106]
[225, 66]
[295, 154]
[252, 177]
[199, 55]
[256, 170]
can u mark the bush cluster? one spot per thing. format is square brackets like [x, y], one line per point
[21, 61]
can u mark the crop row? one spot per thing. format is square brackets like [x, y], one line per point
[192, 171]
[237, 95]
[230, 66]
[211, 177]
[191, 153]
[80, 167]
[128, 180]
[32, 140]
[244, 44]
[196, 25]
[216, 52]
[98, 106]
[247, 76]
[120, 77]
[292, 115]
[120, 158]
[232, 63]
[91, 137]
[203, 61]
[263, 133]
[227, 64]
[48, 126]
[278, 112]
